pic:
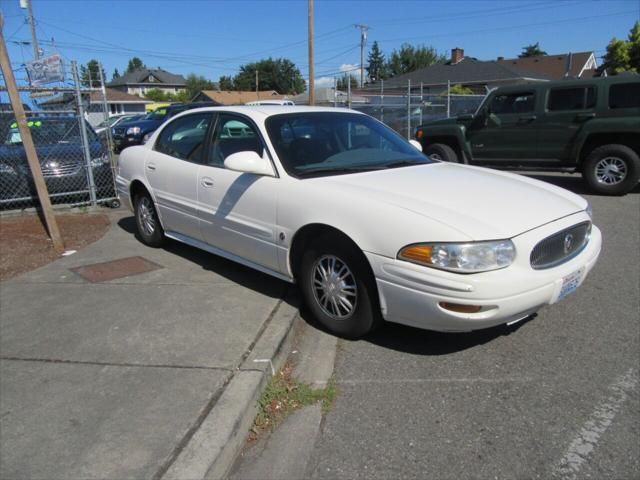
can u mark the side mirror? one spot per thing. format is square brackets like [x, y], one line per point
[467, 117]
[416, 144]
[249, 162]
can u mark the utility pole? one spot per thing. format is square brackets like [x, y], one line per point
[257, 94]
[32, 25]
[312, 100]
[29, 147]
[363, 40]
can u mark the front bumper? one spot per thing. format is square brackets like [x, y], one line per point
[122, 142]
[411, 294]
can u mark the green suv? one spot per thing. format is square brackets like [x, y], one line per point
[589, 126]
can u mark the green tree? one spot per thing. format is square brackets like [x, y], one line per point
[343, 82]
[377, 67]
[532, 50]
[458, 89]
[90, 74]
[134, 64]
[157, 95]
[226, 83]
[195, 84]
[623, 55]
[116, 74]
[410, 58]
[280, 75]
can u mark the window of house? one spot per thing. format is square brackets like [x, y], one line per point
[184, 138]
[233, 134]
[578, 98]
[624, 95]
[514, 103]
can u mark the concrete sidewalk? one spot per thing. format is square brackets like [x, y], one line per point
[146, 376]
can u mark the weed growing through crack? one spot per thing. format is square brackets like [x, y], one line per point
[283, 395]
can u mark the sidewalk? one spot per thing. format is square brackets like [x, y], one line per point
[146, 376]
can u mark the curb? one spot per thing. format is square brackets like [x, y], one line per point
[212, 450]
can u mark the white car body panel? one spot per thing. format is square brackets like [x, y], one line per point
[254, 219]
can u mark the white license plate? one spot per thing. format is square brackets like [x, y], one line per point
[570, 283]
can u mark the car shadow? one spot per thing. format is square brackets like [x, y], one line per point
[571, 182]
[232, 271]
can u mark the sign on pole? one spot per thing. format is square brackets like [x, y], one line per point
[45, 70]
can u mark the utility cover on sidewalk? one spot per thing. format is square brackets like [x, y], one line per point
[123, 267]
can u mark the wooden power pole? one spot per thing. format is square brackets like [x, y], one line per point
[312, 100]
[27, 143]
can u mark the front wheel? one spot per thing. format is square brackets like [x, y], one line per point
[440, 151]
[339, 288]
[147, 221]
[612, 169]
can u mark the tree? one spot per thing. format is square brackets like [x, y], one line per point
[134, 64]
[157, 95]
[532, 50]
[280, 75]
[343, 83]
[623, 55]
[410, 58]
[116, 74]
[196, 83]
[225, 83]
[90, 74]
[377, 67]
[458, 89]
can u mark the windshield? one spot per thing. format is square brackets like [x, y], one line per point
[157, 114]
[50, 131]
[331, 143]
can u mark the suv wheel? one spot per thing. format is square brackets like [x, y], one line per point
[612, 169]
[440, 151]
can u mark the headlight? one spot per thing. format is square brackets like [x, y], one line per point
[133, 131]
[4, 168]
[461, 257]
[589, 211]
[99, 161]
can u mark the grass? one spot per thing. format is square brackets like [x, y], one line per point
[283, 395]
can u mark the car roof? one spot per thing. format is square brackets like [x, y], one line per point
[263, 111]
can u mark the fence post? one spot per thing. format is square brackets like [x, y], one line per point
[382, 100]
[448, 98]
[349, 91]
[335, 92]
[421, 100]
[105, 110]
[409, 110]
[83, 134]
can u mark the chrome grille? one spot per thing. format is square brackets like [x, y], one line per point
[560, 247]
[56, 168]
[119, 131]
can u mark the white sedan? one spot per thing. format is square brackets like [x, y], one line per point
[368, 226]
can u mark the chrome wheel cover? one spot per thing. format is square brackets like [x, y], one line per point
[611, 170]
[146, 218]
[334, 287]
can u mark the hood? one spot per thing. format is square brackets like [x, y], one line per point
[60, 151]
[483, 204]
[139, 123]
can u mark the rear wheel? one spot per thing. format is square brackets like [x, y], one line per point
[612, 169]
[440, 151]
[147, 221]
[339, 288]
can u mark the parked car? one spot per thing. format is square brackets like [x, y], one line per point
[589, 126]
[111, 122]
[368, 226]
[60, 152]
[136, 132]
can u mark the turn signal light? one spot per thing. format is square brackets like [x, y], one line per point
[419, 134]
[417, 253]
[459, 308]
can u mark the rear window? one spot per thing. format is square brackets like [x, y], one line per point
[624, 95]
[579, 98]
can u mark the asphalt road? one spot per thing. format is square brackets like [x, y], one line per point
[555, 397]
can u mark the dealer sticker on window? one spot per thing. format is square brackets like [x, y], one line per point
[570, 283]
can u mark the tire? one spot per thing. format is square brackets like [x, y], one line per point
[149, 228]
[440, 151]
[612, 169]
[356, 286]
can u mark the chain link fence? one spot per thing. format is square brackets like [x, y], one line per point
[77, 164]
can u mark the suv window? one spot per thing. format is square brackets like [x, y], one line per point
[578, 98]
[521, 102]
[624, 95]
[233, 134]
[184, 138]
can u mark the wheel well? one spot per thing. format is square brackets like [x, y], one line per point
[449, 141]
[594, 141]
[307, 234]
[136, 188]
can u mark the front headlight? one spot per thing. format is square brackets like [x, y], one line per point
[589, 211]
[133, 131]
[99, 161]
[4, 168]
[461, 257]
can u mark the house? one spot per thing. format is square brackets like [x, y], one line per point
[235, 97]
[142, 80]
[118, 103]
[556, 67]
[328, 97]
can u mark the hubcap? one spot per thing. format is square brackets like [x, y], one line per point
[145, 216]
[334, 287]
[611, 170]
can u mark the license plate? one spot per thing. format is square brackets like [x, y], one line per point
[570, 283]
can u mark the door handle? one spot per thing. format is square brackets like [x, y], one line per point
[581, 117]
[528, 118]
[151, 166]
[207, 182]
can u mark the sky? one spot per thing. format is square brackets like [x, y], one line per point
[215, 37]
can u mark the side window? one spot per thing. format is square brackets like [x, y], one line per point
[514, 103]
[232, 135]
[579, 98]
[184, 138]
[624, 95]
